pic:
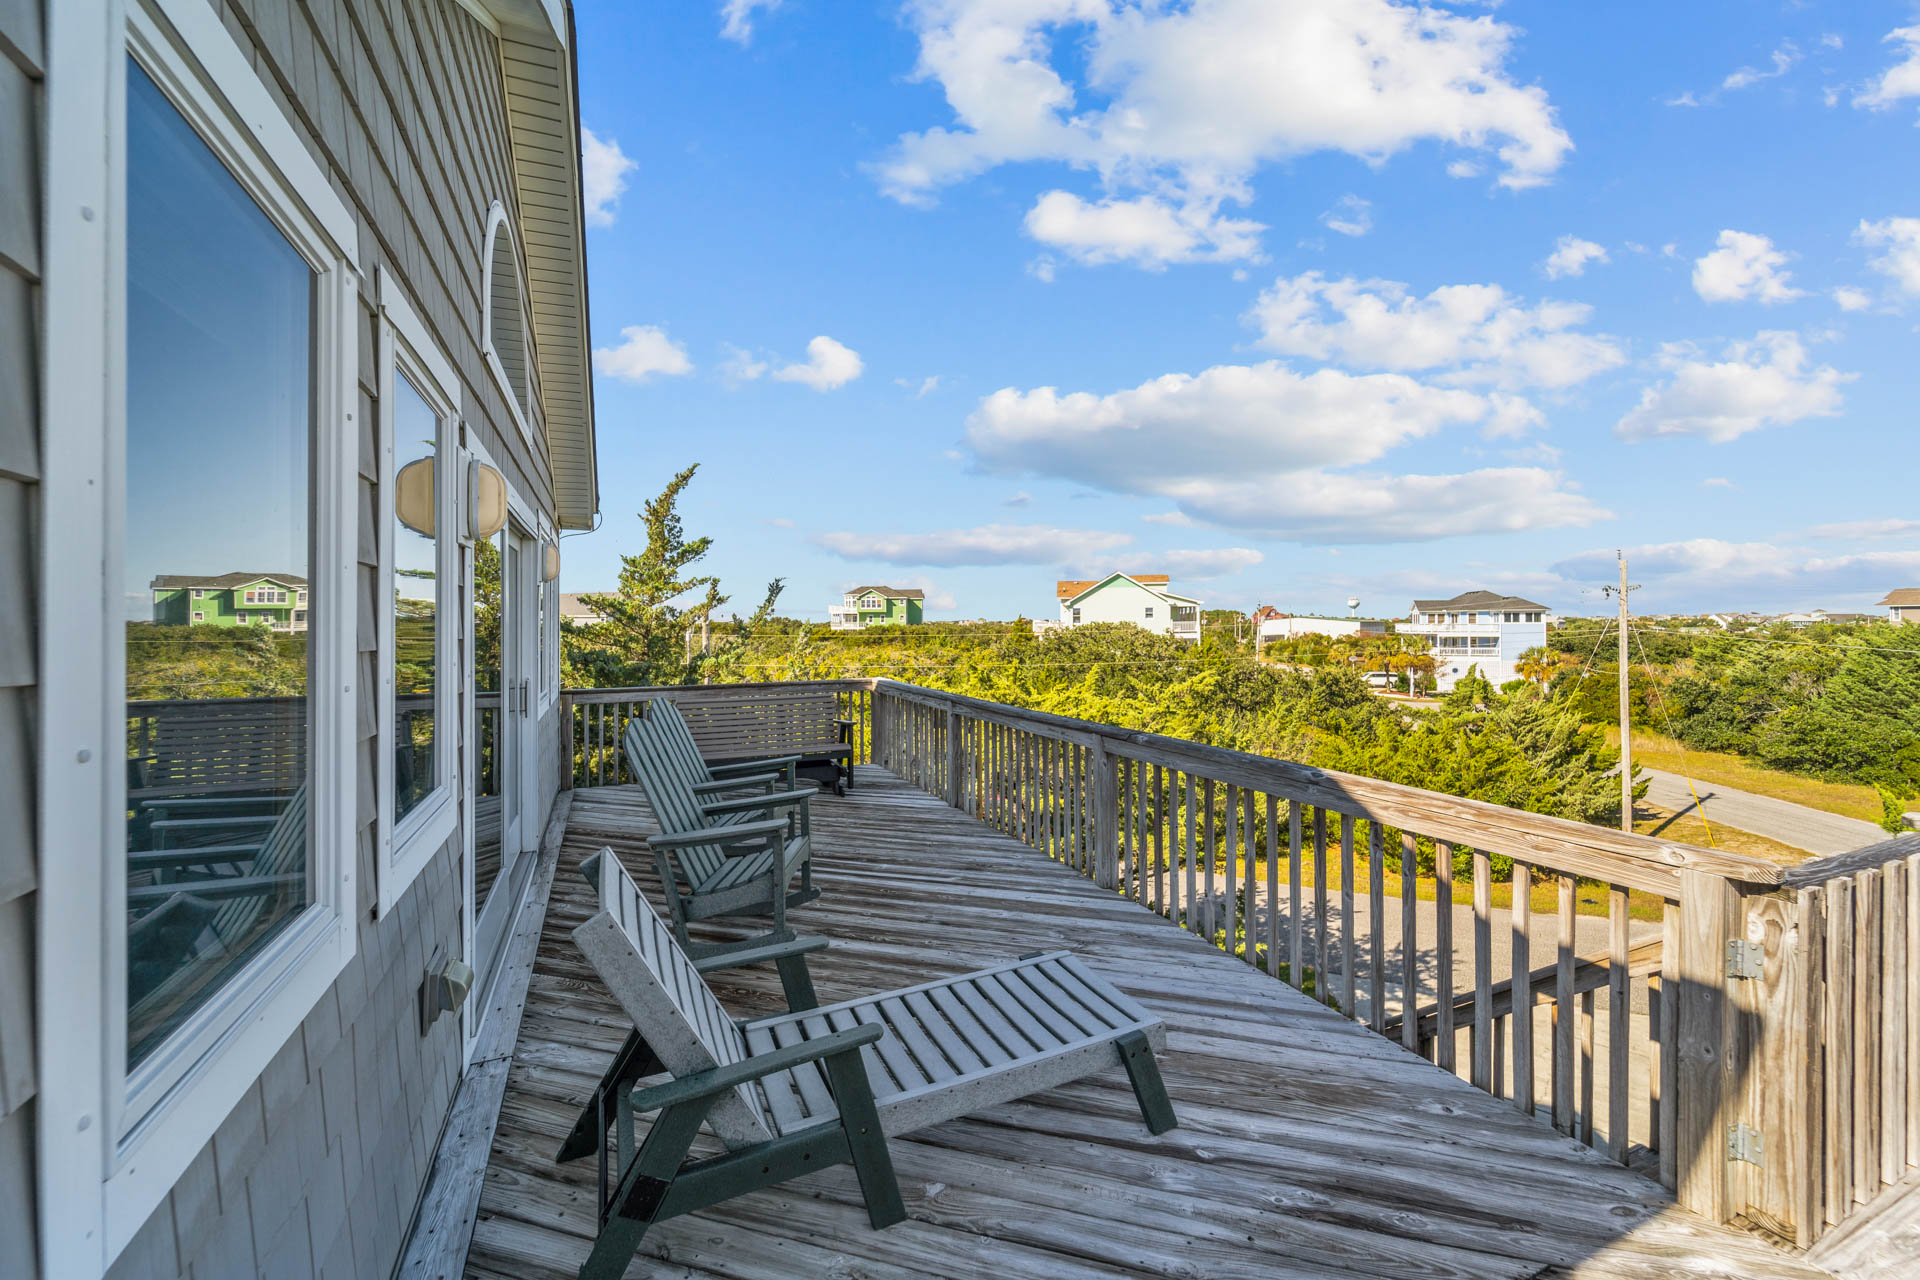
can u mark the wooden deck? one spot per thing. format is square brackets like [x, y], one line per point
[1307, 1146]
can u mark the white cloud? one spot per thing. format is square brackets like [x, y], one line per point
[1147, 231]
[1350, 216]
[736, 18]
[644, 350]
[829, 364]
[1708, 572]
[987, 544]
[1902, 79]
[1718, 482]
[1685, 99]
[1888, 528]
[1782, 60]
[1832, 40]
[1020, 499]
[1848, 298]
[1744, 266]
[603, 176]
[1267, 449]
[1176, 519]
[741, 366]
[1900, 237]
[1476, 333]
[1762, 383]
[1570, 257]
[920, 388]
[1206, 565]
[1181, 105]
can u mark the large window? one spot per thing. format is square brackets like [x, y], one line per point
[199, 780]
[419, 569]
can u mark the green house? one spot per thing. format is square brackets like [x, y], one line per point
[276, 600]
[876, 606]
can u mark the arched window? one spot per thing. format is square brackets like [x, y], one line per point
[503, 330]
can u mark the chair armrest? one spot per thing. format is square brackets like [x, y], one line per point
[706, 1084]
[757, 955]
[186, 825]
[193, 855]
[747, 804]
[213, 890]
[771, 762]
[720, 837]
[729, 784]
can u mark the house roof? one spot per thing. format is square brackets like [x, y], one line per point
[571, 606]
[1068, 588]
[222, 581]
[1903, 598]
[892, 593]
[1477, 600]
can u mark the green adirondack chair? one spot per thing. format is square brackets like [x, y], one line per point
[719, 857]
[815, 1087]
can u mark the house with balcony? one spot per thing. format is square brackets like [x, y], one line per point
[1481, 629]
[276, 600]
[252, 931]
[1141, 599]
[877, 606]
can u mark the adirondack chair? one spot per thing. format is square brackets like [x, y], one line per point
[814, 1087]
[724, 857]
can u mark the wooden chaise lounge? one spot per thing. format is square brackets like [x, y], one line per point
[814, 1087]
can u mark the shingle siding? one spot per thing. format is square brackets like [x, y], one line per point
[22, 141]
[317, 1168]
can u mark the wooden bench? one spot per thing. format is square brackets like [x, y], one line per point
[744, 723]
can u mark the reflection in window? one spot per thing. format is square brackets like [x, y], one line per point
[416, 610]
[488, 662]
[219, 392]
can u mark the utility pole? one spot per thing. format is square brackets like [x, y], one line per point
[1626, 702]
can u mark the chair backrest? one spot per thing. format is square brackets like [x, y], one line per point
[676, 806]
[283, 853]
[666, 997]
[676, 738]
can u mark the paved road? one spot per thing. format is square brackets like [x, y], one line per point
[1814, 830]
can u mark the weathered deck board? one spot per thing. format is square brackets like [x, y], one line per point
[1307, 1146]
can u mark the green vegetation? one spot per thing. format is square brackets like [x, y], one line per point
[1657, 751]
[1835, 702]
[214, 662]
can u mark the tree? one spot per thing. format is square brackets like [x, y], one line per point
[642, 639]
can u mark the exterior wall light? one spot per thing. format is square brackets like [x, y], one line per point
[413, 496]
[487, 501]
[550, 562]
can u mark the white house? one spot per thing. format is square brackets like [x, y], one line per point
[1139, 598]
[1478, 628]
[1903, 605]
[1285, 626]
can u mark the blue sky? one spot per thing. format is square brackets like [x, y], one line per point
[971, 294]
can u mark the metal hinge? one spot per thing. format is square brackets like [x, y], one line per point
[1745, 959]
[1745, 1143]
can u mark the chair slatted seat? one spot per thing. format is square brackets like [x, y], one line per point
[812, 1087]
[718, 856]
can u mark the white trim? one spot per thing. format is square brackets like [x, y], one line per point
[498, 221]
[110, 1148]
[404, 848]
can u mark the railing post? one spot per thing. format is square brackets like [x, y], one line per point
[1106, 817]
[953, 756]
[1709, 916]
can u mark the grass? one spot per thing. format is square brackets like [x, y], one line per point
[1657, 751]
[1688, 829]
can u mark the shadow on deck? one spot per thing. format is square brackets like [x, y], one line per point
[1307, 1146]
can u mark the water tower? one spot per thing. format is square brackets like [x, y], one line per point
[1353, 605]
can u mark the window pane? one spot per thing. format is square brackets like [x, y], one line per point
[219, 425]
[416, 612]
[489, 657]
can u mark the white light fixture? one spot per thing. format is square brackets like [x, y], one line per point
[550, 562]
[487, 501]
[413, 496]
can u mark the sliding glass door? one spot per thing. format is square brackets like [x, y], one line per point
[502, 593]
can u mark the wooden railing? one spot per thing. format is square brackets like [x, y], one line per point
[1749, 1035]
